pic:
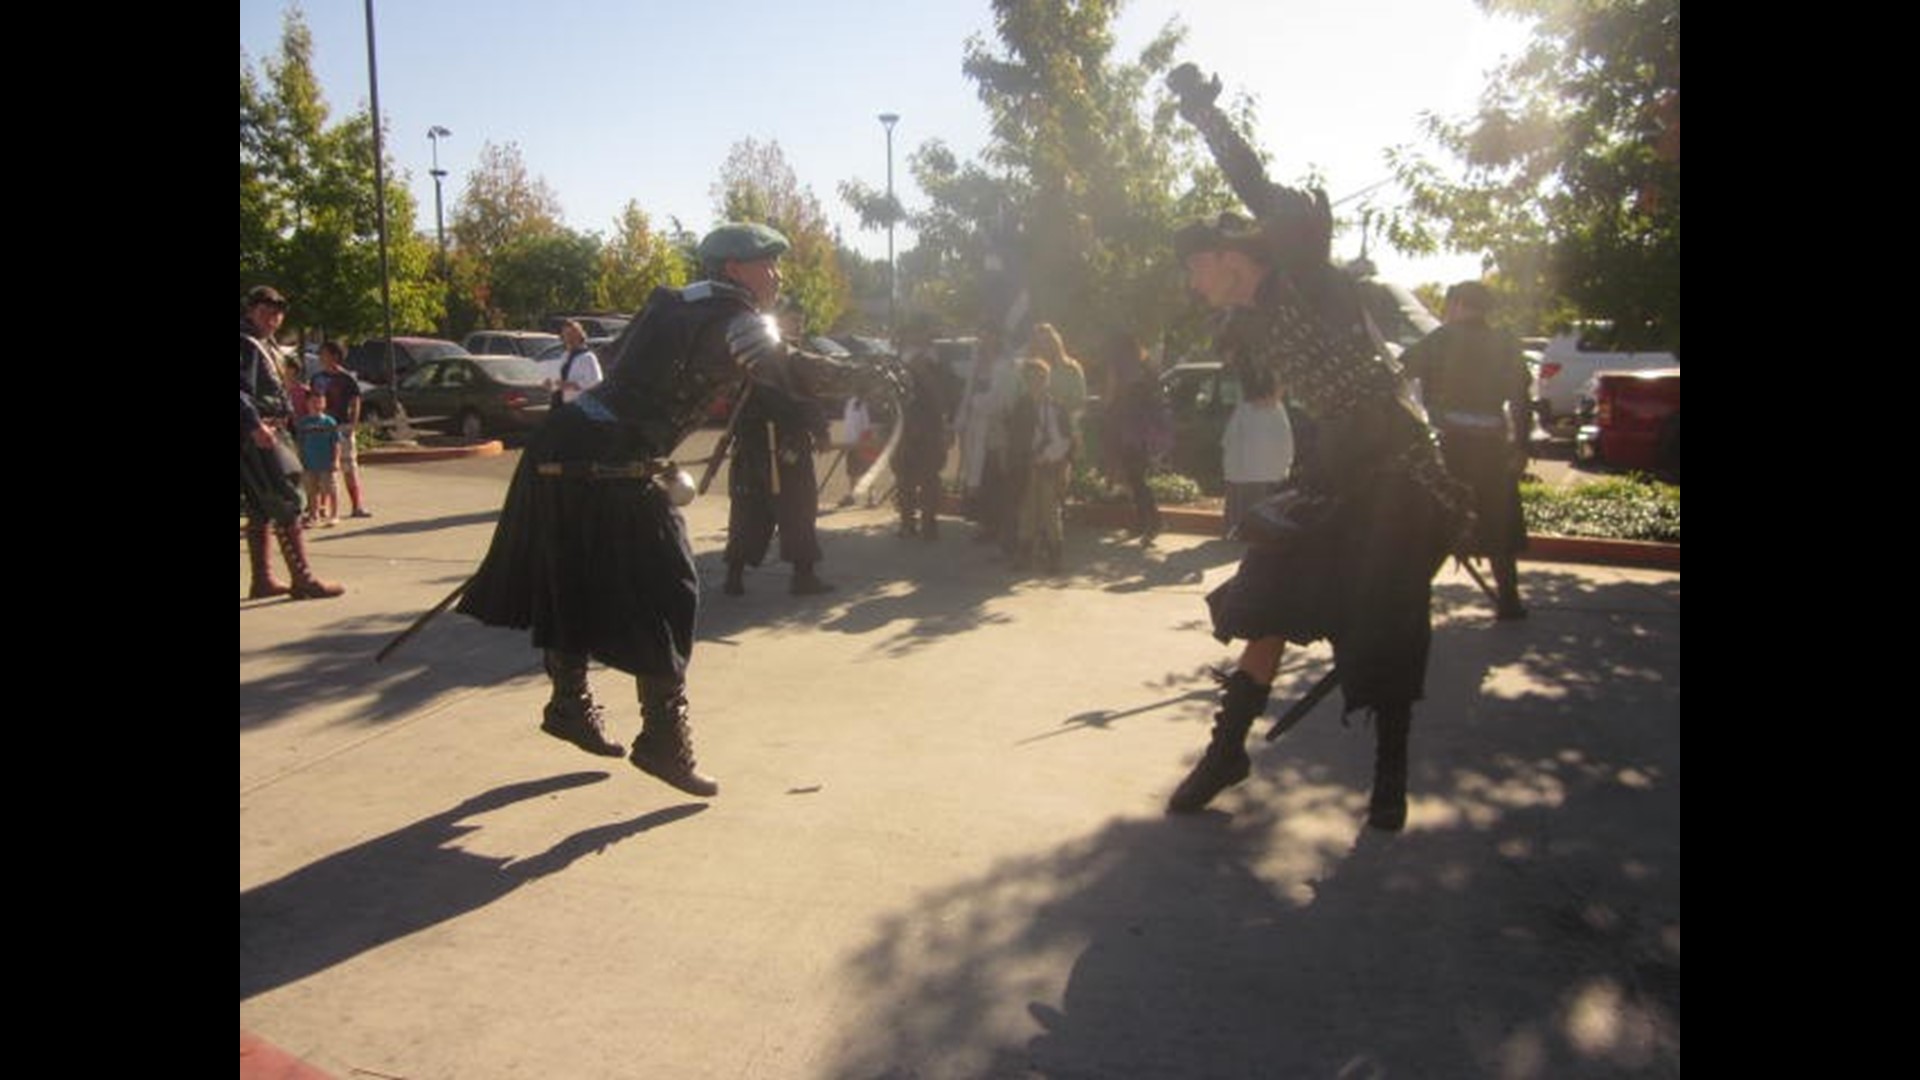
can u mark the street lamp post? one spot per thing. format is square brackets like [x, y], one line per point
[888, 120]
[434, 135]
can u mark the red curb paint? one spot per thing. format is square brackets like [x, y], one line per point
[261, 1060]
[431, 453]
[1540, 547]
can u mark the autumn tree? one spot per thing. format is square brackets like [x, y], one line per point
[502, 203]
[757, 184]
[1570, 168]
[635, 260]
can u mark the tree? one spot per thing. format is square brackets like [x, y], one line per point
[307, 203]
[1571, 168]
[757, 184]
[1086, 177]
[501, 203]
[636, 260]
[538, 273]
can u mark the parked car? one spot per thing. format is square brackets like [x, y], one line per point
[368, 359]
[1568, 363]
[530, 343]
[472, 396]
[607, 325]
[1632, 421]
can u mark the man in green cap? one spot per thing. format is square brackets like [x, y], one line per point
[591, 551]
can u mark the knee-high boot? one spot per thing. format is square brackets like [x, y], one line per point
[305, 586]
[1224, 763]
[1506, 585]
[260, 558]
[571, 713]
[1388, 807]
[664, 747]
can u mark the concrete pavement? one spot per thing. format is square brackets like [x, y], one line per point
[939, 848]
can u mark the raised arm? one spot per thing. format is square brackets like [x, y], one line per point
[1302, 221]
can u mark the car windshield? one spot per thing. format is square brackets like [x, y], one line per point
[437, 350]
[510, 369]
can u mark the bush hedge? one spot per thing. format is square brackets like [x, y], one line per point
[1629, 507]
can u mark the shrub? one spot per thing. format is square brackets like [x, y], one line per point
[1172, 488]
[1632, 507]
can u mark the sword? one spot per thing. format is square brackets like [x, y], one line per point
[1478, 580]
[726, 437]
[401, 638]
[1299, 709]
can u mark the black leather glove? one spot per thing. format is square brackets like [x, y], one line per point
[1195, 91]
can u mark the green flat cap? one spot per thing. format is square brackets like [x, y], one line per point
[742, 242]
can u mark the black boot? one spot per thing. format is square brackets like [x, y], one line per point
[736, 579]
[1506, 584]
[1225, 762]
[571, 714]
[664, 748]
[1388, 807]
[804, 582]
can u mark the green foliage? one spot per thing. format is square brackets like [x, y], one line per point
[1631, 507]
[541, 272]
[502, 204]
[1092, 178]
[635, 261]
[1088, 169]
[757, 184]
[1571, 169]
[1171, 488]
[308, 214]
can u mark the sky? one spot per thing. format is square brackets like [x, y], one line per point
[616, 100]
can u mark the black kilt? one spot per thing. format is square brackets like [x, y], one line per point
[1483, 460]
[599, 567]
[1361, 581]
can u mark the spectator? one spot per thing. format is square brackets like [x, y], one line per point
[921, 453]
[1137, 428]
[1039, 445]
[1067, 379]
[271, 500]
[579, 370]
[342, 392]
[319, 437]
[1257, 447]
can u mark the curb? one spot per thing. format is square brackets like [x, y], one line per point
[261, 1060]
[1540, 547]
[389, 454]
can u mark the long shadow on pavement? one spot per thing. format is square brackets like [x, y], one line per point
[1526, 926]
[406, 881]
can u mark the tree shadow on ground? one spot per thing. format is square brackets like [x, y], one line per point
[1526, 925]
[406, 881]
[336, 662]
[944, 589]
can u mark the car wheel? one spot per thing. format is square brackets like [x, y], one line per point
[470, 425]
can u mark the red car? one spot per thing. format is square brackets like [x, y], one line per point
[1634, 422]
